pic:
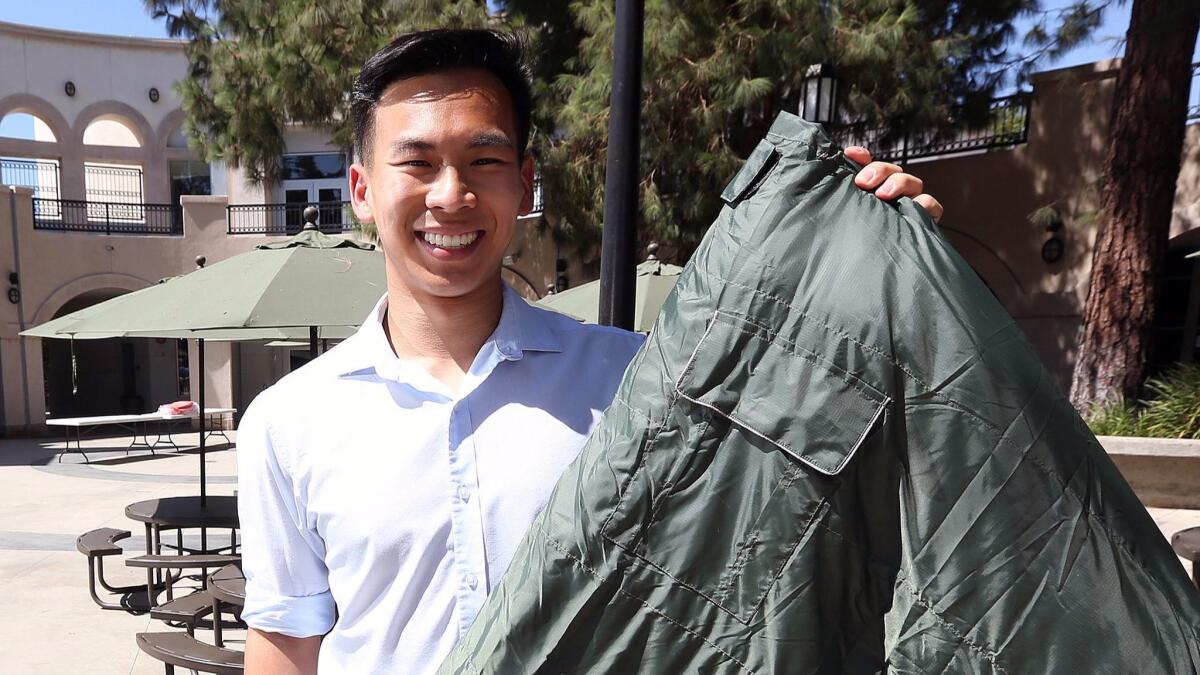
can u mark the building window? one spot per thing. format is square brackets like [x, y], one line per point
[314, 166]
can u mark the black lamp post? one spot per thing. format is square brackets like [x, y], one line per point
[818, 89]
[617, 264]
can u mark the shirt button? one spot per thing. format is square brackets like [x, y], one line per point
[472, 581]
[464, 494]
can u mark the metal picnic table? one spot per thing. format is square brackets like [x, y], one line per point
[82, 425]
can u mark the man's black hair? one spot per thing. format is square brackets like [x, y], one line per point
[499, 53]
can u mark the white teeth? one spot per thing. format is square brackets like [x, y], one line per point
[450, 241]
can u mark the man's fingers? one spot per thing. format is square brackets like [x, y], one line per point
[874, 174]
[900, 185]
[858, 154]
[932, 206]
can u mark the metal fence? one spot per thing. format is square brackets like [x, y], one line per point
[1008, 125]
[42, 175]
[113, 184]
[538, 201]
[332, 217]
[76, 215]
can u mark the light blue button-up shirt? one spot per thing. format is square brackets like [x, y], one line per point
[378, 508]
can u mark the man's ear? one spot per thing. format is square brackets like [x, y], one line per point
[360, 193]
[527, 181]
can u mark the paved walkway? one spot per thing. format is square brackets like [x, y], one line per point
[48, 624]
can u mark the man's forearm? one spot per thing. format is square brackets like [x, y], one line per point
[278, 654]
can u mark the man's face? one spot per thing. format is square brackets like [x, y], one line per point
[444, 185]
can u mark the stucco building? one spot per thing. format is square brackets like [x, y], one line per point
[101, 195]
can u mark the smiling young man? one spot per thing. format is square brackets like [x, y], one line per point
[385, 486]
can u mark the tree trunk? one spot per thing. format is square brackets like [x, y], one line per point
[1146, 135]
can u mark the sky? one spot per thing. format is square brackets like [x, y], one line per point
[129, 18]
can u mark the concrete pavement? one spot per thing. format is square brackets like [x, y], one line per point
[48, 623]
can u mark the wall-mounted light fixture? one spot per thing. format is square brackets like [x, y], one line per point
[14, 288]
[69, 87]
[154, 94]
[818, 91]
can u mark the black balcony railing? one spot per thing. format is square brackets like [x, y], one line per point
[538, 201]
[1008, 125]
[74, 215]
[112, 183]
[332, 217]
[42, 175]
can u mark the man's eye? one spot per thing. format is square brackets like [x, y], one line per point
[415, 162]
[482, 161]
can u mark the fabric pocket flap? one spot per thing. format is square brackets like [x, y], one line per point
[814, 411]
[752, 174]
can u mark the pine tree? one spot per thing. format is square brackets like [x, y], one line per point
[716, 72]
[258, 65]
[1145, 137]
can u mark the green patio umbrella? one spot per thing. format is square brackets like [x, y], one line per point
[308, 283]
[654, 282]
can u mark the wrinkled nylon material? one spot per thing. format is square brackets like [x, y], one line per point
[836, 453]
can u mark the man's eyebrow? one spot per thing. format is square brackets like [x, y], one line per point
[403, 145]
[490, 140]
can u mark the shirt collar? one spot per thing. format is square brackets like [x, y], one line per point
[522, 328]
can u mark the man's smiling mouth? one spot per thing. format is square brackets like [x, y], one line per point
[450, 242]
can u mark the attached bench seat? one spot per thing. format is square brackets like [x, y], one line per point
[198, 561]
[186, 610]
[185, 651]
[97, 545]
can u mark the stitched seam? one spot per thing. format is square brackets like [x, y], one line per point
[652, 441]
[855, 384]
[988, 655]
[598, 577]
[625, 404]
[657, 507]
[981, 422]
[783, 563]
[795, 349]
[733, 571]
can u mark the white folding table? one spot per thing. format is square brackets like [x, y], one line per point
[82, 425]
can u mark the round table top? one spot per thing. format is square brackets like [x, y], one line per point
[228, 585]
[1187, 543]
[219, 511]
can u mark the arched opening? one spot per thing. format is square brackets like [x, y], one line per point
[111, 376]
[112, 130]
[178, 138]
[27, 127]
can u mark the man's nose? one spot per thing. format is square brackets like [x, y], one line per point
[449, 192]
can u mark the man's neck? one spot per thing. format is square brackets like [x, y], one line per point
[443, 335]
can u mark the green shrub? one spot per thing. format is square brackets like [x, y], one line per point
[1117, 418]
[1172, 411]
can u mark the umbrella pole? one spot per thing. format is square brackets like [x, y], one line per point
[203, 489]
[312, 342]
[621, 173]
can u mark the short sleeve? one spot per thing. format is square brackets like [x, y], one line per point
[287, 583]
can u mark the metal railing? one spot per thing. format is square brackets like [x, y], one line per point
[1008, 125]
[332, 217]
[42, 175]
[538, 202]
[113, 184]
[77, 215]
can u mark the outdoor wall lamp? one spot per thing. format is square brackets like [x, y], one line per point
[14, 292]
[69, 87]
[1053, 250]
[154, 94]
[818, 94]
